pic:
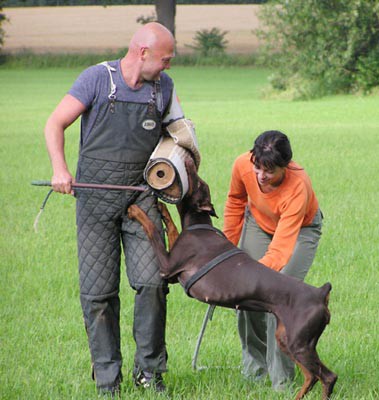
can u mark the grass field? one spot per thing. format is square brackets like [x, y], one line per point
[44, 352]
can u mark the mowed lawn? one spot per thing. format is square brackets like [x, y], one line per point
[44, 353]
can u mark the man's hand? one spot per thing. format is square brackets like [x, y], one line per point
[61, 182]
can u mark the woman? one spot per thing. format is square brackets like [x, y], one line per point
[273, 214]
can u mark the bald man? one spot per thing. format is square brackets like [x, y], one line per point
[124, 106]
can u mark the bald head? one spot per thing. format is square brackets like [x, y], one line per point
[152, 35]
[150, 52]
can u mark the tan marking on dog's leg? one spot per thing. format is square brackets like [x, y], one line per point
[135, 212]
[309, 381]
[281, 337]
[172, 231]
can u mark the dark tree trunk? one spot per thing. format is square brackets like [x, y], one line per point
[166, 10]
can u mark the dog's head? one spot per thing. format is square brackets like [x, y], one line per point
[198, 197]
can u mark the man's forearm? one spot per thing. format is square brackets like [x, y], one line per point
[54, 137]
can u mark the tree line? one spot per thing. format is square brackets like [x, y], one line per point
[51, 3]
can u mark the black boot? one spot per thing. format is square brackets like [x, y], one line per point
[149, 380]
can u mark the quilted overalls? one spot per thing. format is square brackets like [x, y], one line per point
[116, 152]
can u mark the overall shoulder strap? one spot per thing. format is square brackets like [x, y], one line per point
[112, 94]
[158, 95]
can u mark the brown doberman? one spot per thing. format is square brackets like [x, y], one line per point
[214, 271]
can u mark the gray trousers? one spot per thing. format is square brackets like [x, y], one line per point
[104, 230]
[260, 352]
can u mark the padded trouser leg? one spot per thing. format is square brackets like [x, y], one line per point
[150, 300]
[101, 316]
[99, 252]
[149, 328]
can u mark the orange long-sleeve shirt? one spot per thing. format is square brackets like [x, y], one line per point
[280, 213]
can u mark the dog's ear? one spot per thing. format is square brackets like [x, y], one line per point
[192, 175]
[209, 209]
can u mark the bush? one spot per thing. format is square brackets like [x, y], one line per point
[367, 75]
[210, 42]
[322, 47]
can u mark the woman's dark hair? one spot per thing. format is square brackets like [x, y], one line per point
[271, 149]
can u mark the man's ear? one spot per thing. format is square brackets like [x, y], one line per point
[192, 175]
[142, 52]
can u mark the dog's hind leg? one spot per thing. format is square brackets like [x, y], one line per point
[309, 378]
[313, 370]
[309, 381]
[171, 229]
[328, 380]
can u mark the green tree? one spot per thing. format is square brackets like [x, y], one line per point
[322, 47]
[2, 19]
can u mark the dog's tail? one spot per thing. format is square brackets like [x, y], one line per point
[325, 293]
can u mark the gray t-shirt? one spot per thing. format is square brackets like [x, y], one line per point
[93, 86]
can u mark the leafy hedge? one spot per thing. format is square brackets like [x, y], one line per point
[322, 47]
[27, 60]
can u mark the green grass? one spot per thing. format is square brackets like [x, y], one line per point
[44, 352]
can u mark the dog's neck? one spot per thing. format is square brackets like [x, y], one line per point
[188, 218]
